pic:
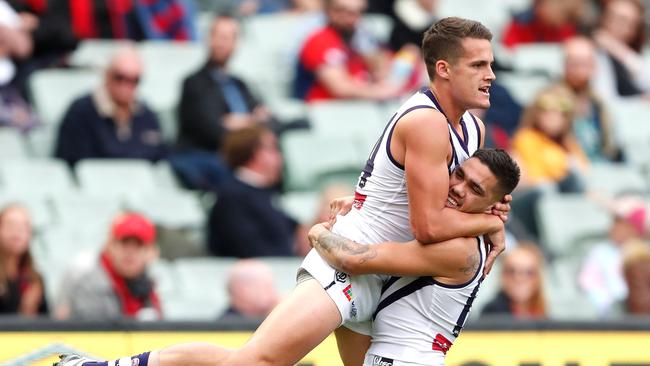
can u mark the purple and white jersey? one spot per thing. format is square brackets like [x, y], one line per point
[380, 212]
[418, 318]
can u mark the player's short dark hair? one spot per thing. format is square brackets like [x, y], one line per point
[442, 41]
[240, 145]
[503, 166]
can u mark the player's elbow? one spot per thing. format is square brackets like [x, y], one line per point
[427, 233]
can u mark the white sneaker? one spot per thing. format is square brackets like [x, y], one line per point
[73, 360]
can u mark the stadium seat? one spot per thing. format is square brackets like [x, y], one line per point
[287, 109]
[165, 177]
[630, 120]
[265, 38]
[637, 153]
[163, 274]
[46, 177]
[363, 121]
[523, 87]
[167, 64]
[41, 141]
[173, 209]
[544, 58]
[493, 14]
[115, 177]
[53, 90]
[12, 144]
[284, 271]
[308, 156]
[613, 179]
[41, 214]
[564, 298]
[94, 212]
[564, 220]
[301, 205]
[94, 53]
[203, 294]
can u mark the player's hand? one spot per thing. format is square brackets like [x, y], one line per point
[316, 231]
[340, 206]
[502, 209]
[497, 241]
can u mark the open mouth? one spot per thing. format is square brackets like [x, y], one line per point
[451, 203]
[485, 90]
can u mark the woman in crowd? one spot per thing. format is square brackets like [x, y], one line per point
[21, 286]
[521, 295]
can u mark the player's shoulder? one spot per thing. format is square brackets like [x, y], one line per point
[423, 119]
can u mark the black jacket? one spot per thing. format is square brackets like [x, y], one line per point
[202, 108]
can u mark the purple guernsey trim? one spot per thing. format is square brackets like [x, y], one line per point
[390, 134]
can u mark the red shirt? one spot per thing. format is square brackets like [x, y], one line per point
[534, 31]
[326, 48]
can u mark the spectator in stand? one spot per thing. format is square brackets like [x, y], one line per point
[251, 7]
[636, 267]
[332, 65]
[111, 122]
[15, 44]
[21, 286]
[601, 276]
[591, 124]
[545, 145]
[545, 21]
[244, 222]
[251, 290]
[212, 103]
[622, 70]
[522, 291]
[136, 20]
[52, 37]
[118, 286]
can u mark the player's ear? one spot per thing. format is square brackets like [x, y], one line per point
[442, 69]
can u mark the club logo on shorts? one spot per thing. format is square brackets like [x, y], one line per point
[341, 276]
[347, 291]
[353, 310]
[381, 361]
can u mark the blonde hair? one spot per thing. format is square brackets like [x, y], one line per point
[556, 97]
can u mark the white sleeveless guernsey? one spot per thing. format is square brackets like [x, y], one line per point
[418, 318]
[380, 212]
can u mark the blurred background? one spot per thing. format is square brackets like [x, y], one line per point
[162, 160]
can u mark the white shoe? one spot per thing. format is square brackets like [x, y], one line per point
[73, 360]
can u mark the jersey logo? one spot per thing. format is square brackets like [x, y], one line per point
[347, 291]
[341, 276]
[381, 361]
[359, 199]
[440, 343]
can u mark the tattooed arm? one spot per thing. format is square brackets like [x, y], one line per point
[455, 259]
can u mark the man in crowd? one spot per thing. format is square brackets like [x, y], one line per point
[111, 122]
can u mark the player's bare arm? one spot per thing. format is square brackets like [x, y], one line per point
[456, 259]
[421, 145]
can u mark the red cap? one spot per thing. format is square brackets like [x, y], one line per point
[136, 226]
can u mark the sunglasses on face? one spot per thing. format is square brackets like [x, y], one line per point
[127, 79]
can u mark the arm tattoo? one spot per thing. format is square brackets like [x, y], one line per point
[339, 246]
[472, 264]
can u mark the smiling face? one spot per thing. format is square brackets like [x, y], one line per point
[473, 188]
[471, 74]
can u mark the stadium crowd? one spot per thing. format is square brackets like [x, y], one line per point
[145, 145]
